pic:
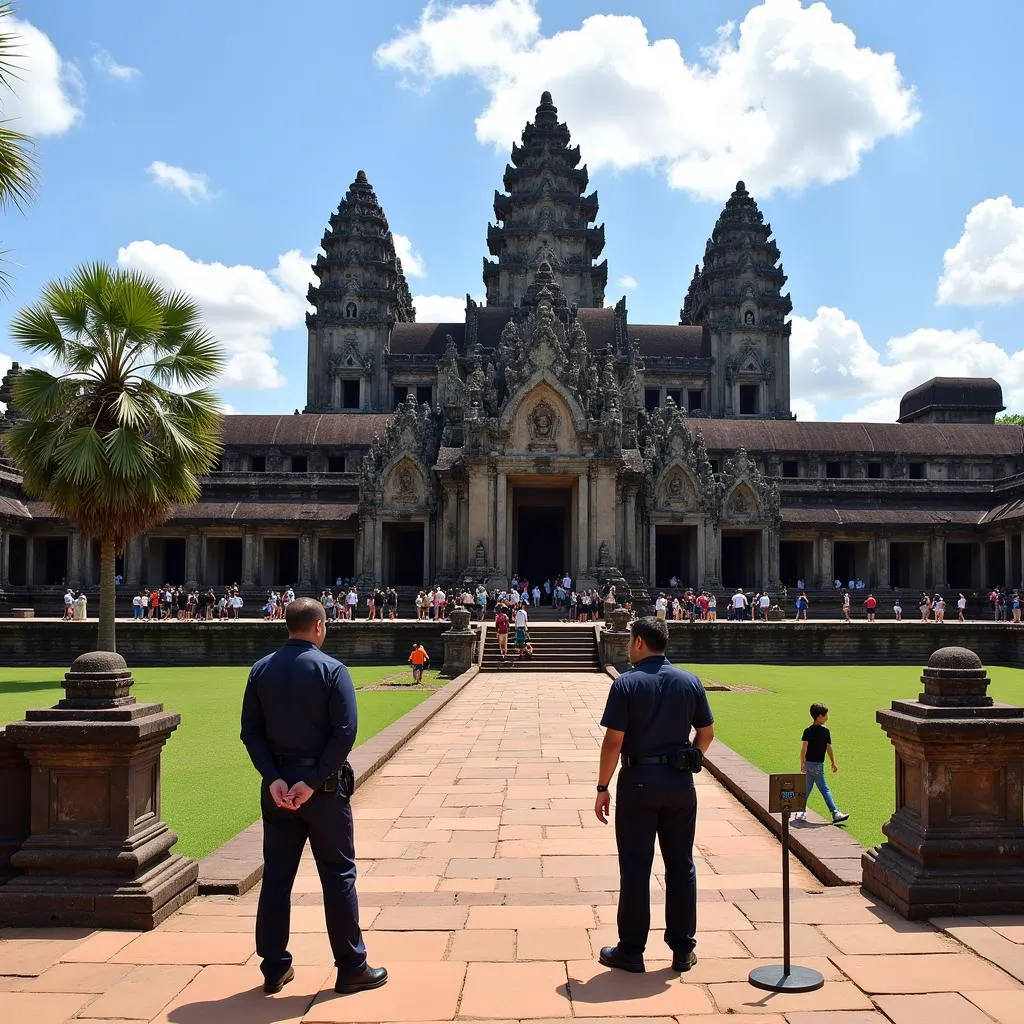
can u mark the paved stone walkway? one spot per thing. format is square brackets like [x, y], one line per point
[488, 886]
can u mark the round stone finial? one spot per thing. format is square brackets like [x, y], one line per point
[361, 178]
[955, 678]
[740, 187]
[98, 679]
[545, 99]
[954, 657]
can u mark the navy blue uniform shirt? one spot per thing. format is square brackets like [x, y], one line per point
[654, 704]
[299, 702]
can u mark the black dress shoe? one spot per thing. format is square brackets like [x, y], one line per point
[368, 977]
[270, 986]
[611, 956]
[683, 963]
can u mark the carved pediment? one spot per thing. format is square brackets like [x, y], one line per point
[398, 456]
[405, 484]
[748, 496]
[677, 490]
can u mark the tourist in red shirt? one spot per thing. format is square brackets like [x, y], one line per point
[870, 604]
[501, 631]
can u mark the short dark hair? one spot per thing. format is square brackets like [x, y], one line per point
[817, 710]
[653, 632]
[302, 614]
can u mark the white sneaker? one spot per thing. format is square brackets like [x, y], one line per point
[839, 817]
[799, 815]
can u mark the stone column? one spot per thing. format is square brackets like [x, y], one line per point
[815, 580]
[827, 572]
[5, 559]
[133, 562]
[883, 562]
[30, 560]
[938, 547]
[305, 560]
[192, 558]
[701, 553]
[502, 554]
[204, 559]
[583, 558]
[249, 559]
[75, 559]
[766, 568]
[378, 551]
[1008, 580]
[955, 844]
[629, 529]
[652, 563]
[428, 530]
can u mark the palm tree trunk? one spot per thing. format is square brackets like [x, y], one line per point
[108, 594]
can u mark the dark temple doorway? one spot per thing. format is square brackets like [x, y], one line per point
[741, 559]
[675, 556]
[540, 543]
[403, 555]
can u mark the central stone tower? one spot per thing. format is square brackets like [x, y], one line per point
[545, 217]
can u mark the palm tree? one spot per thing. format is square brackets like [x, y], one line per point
[112, 439]
[18, 171]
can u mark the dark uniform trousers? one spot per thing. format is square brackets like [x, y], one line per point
[656, 801]
[325, 819]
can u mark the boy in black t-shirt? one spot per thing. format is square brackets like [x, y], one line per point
[817, 742]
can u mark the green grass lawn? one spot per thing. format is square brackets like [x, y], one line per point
[765, 726]
[210, 789]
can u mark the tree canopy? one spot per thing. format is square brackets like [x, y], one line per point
[118, 432]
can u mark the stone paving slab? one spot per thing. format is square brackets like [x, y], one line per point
[488, 887]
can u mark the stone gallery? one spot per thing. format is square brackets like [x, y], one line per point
[546, 432]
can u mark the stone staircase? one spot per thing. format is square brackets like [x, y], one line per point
[559, 647]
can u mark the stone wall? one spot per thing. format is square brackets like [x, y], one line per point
[31, 643]
[36, 643]
[827, 643]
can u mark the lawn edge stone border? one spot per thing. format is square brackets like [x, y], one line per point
[831, 854]
[237, 865]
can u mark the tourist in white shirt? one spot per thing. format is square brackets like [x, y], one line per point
[661, 606]
[522, 626]
[765, 603]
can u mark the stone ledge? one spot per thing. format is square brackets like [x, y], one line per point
[830, 853]
[237, 865]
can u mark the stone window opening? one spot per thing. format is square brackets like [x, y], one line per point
[695, 400]
[833, 470]
[350, 394]
[336, 464]
[257, 463]
[652, 399]
[676, 395]
[874, 471]
[300, 464]
[790, 469]
[918, 471]
[351, 311]
[748, 318]
[750, 395]
[424, 394]
[399, 393]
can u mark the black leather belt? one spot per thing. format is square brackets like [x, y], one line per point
[628, 761]
[287, 761]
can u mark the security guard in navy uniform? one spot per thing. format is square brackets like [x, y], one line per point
[647, 719]
[298, 725]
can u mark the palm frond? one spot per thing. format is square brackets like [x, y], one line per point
[19, 170]
[79, 456]
[40, 395]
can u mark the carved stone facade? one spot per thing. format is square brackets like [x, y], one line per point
[544, 432]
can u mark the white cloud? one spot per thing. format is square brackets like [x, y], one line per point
[412, 262]
[102, 61]
[440, 309]
[628, 282]
[804, 410]
[191, 186]
[243, 306]
[785, 99]
[46, 91]
[833, 363]
[986, 266]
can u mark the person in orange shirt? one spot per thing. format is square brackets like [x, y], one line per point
[419, 659]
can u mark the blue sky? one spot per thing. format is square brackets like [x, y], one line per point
[209, 143]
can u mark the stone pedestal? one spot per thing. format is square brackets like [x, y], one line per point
[98, 854]
[459, 644]
[14, 814]
[955, 845]
[615, 639]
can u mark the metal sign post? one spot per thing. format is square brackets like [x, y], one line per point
[787, 793]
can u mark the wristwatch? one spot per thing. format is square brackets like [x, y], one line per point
[602, 789]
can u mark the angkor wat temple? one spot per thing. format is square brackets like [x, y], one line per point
[546, 432]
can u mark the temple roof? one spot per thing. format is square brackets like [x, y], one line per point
[963, 393]
[830, 515]
[422, 339]
[785, 436]
[239, 511]
[306, 429]
[669, 340]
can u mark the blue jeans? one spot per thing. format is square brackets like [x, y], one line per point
[816, 777]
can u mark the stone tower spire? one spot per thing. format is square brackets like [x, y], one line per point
[545, 217]
[362, 293]
[738, 297]
[686, 314]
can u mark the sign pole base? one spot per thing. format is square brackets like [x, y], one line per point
[777, 979]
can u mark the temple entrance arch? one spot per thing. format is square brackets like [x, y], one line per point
[541, 531]
[741, 558]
